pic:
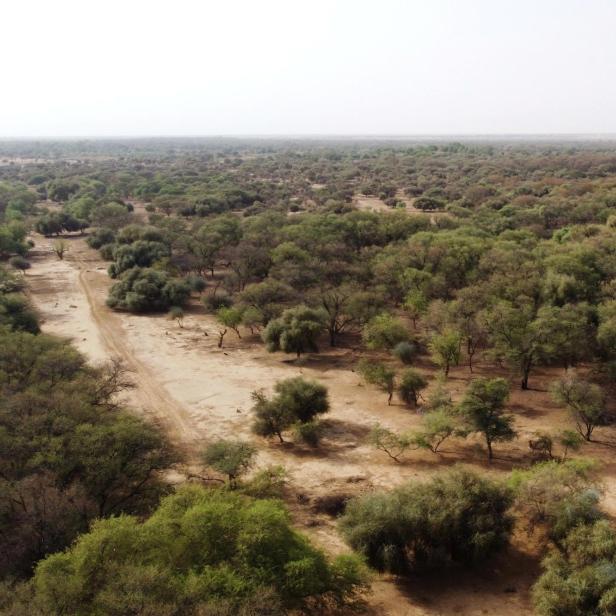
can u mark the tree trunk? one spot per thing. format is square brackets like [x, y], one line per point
[489, 444]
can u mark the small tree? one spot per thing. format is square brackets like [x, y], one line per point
[482, 407]
[415, 304]
[585, 402]
[384, 332]
[570, 441]
[437, 427]
[270, 418]
[445, 349]
[405, 352]
[177, 314]
[297, 401]
[231, 458]
[302, 398]
[59, 247]
[380, 375]
[411, 384]
[394, 445]
[230, 317]
[295, 331]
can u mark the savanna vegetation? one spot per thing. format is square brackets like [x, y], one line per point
[488, 260]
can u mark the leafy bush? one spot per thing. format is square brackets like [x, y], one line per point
[297, 400]
[147, 290]
[213, 303]
[580, 579]
[100, 236]
[405, 352]
[384, 332]
[410, 386]
[138, 254]
[201, 550]
[231, 458]
[457, 517]
[295, 331]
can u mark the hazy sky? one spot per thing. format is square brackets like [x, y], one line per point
[183, 67]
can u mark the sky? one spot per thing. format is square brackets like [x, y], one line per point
[298, 67]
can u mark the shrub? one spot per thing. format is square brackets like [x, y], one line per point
[579, 579]
[410, 386]
[202, 550]
[384, 332]
[231, 458]
[147, 290]
[101, 236]
[377, 373]
[405, 352]
[295, 331]
[457, 517]
[296, 401]
[308, 433]
[215, 302]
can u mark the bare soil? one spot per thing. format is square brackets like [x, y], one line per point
[199, 392]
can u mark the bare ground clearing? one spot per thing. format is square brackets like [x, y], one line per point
[199, 392]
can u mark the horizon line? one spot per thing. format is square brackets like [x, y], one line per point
[313, 136]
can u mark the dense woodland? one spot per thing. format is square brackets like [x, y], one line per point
[503, 253]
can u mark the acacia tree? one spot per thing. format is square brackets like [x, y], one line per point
[394, 445]
[445, 349]
[410, 386]
[483, 409]
[519, 336]
[231, 458]
[229, 317]
[384, 332]
[377, 373]
[585, 402]
[296, 401]
[295, 331]
[59, 247]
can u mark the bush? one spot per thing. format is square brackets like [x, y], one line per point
[580, 578]
[384, 332]
[213, 303]
[231, 458]
[147, 290]
[410, 386]
[201, 550]
[137, 254]
[101, 236]
[295, 331]
[405, 352]
[308, 433]
[457, 517]
[297, 401]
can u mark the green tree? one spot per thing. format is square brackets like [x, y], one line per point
[296, 401]
[445, 349]
[456, 517]
[384, 332]
[204, 550]
[483, 409]
[296, 331]
[377, 373]
[410, 385]
[230, 458]
[585, 402]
